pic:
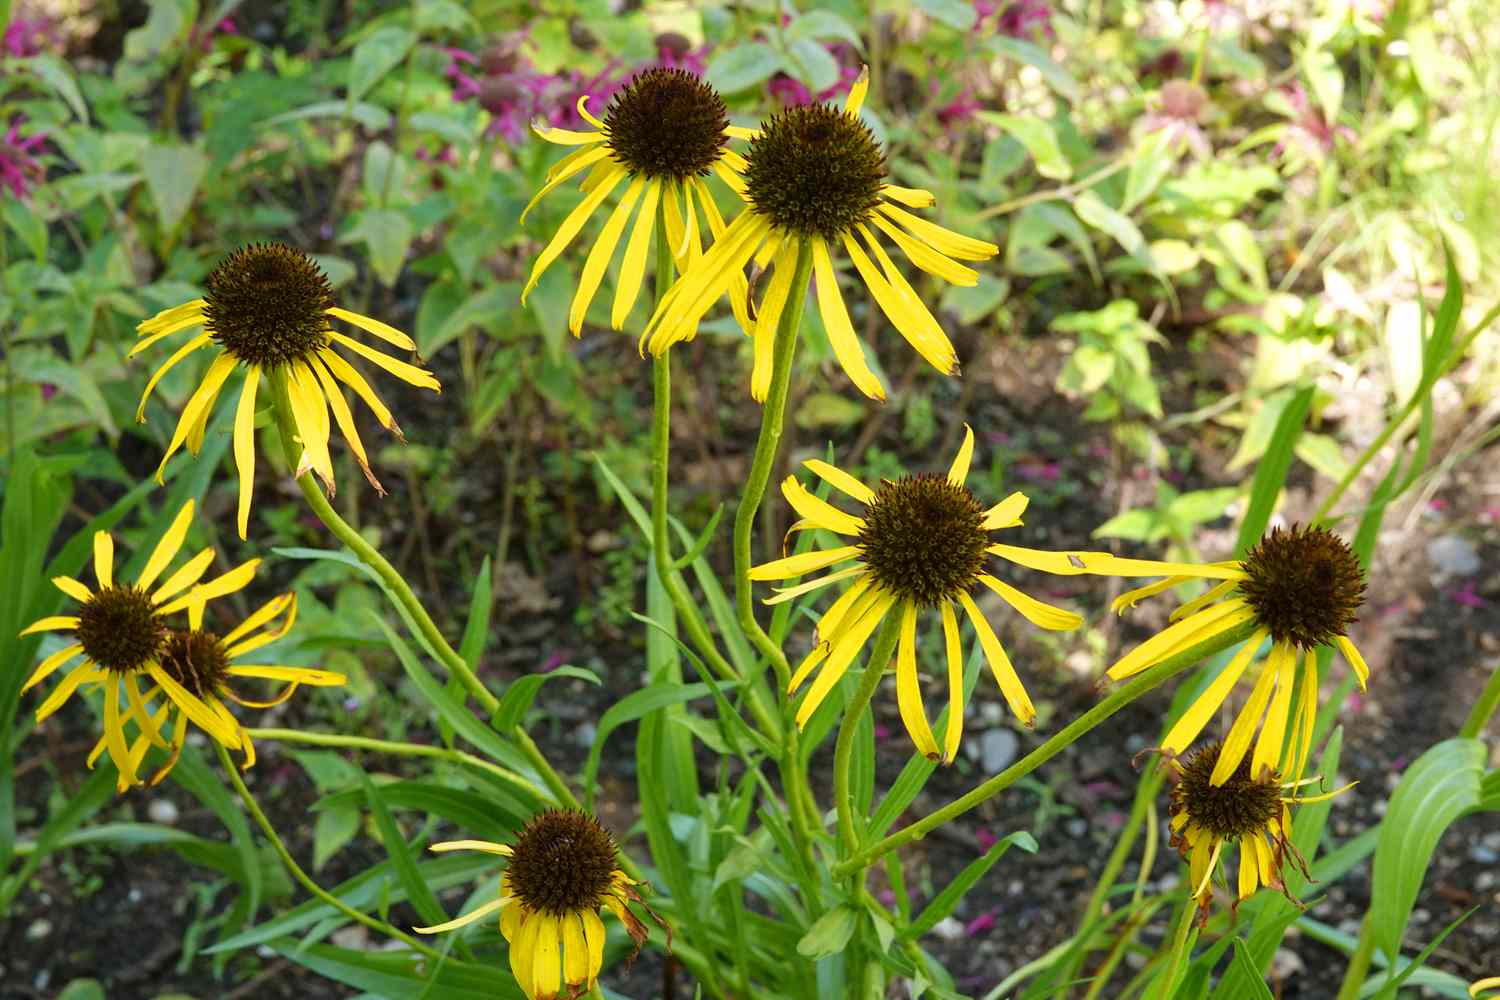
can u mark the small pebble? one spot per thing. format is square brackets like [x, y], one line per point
[997, 749]
[162, 811]
[1285, 964]
[1453, 555]
[39, 929]
[948, 929]
[1076, 827]
[585, 734]
[1482, 854]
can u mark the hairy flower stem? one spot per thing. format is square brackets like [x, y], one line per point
[1069, 734]
[843, 796]
[772, 421]
[379, 926]
[402, 592]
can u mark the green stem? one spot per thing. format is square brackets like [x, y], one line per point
[395, 748]
[1484, 708]
[1137, 686]
[1359, 962]
[372, 923]
[843, 797]
[772, 421]
[369, 555]
[1167, 984]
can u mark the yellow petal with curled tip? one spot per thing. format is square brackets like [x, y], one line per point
[1000, 665]
[52, 623]
[905, 311]
[1203, 707]
[955, 657]
[633, 266]
[910, 197]
[959, 470]
[219, 586]
[857, 92]
[488, 847]
[178, 355]
[841, 336]
[571, 225]
[908, 689]
[48, 666]
[1240, 733]
[478, 913]
[601, 253]
[167, 547]
[150, 337]
[384, 331]
[419, 377]
[73, 588]
[819, 512]
[1007, 513]
[169, 316]
[565, 136]
[347, 374]
[926, 258]
[1131, 598]
[201, 398]
[201, 714]
[1355, 659]
[850, 642]
[297, 675]
[944, 241]
[259, 617]
[244, 447]
[1198, 628]
[806, 562]
[344, 417]
[567, 167]
[104, 559]
[1039, 613]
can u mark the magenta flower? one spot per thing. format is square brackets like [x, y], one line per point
[19, 169]
[674, 51]
[1176, 113]
[793, 93]
[26, 36]
[959, 110]
[1026, 19]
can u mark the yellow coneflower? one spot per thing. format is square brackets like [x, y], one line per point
[195, 667]
[922, 542]
[122, 633]
[816, 177]
[661, 135]
[1250, 812]
[562, 871]
[1302, 589]
[267, 307]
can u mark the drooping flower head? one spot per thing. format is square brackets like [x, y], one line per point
[815, 177]
[267, 308]
[922, 543]
[122, 631]
[563, 870]
[660, 137]
[1302, 589]
[1251, 813]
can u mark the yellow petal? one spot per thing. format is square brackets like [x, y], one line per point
[784, 594]
[568, 166]
[546, 969]
[86, 672]
[1057, 563]
[347, 374]
[1005, 514]
[167, 317]
[344, 417]
[48, 666]
[601, 253]
[841, 336]
[299, 675]
[151, 337]
[1039, 613]
[571, 225]
[575, 951]
[52, 623]
[905, 310]
[104, 559]
[857, 92]
[955, 656]
[189, 574]
[840, 480]
[819, 512]
[478, 913]
[1131, 598]
[244, 447]
[739, 287]
[419, 377]
[633, 267]
[1355, 660]
[265, 613]
[908, 689]
[566, 136]
[926, 258]
[1197, 628]
[1238, 740]
[944, 241]
[1203, 600]
[593, 931]
[910, 197]
[1267, 755]
[806, 562]
[583, 112]
[156, 376]
[959, 470]
[73, 588]
[1000, 665]
[1203, 707]
[384, 331]
[167, 547]
[310, 413]
[219, 586]
[847, 608]
[768, 321]
[705, 281]
[848, 646]
[203, 716]
[487, 846]
[142, 716]
[201, 399]
[114, 736]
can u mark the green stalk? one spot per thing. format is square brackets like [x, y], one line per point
[1069, 734]
[1359, 962]
[1167, 984]
[394, 748]
[772, 421]
[379, 926]
[1484, 708]
[880, 658]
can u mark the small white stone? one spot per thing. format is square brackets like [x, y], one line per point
[162, 811]
[948, 929]
[997, 749]
[1453, 555]
[39, 929]
[1285, 964]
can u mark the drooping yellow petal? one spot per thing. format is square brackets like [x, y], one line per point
[1305, 720]
[819, 512]
[48, 666]
[704, 282]
[298, 675]
[167, 317]
[958, 472]
[187, 575]
[1204, 623]
[1007, 513]
[167, 547]
[806, 562]
[593, 931]
[1131, 598]
[1248, 881]
[200, 341]
[150, 338]
[344, 417]
[85, 673]
[944, 241]
[546, 969]
[566, 136]
[114, 735]
[478, 913]
[910, 197]
[633, 266]
[739, 287]
[768, 320]
[201, 398]
[1000, 665]
[523, 953]
[1240, 733]
[384, 331]
[907, 313]
[840, 480]
[572, 224]
[201, 714]
[104, 559]
[562, 170]
[575, 951]
[847, 608]
[419, 377]
[841, 336]
[1203, 600]
[1187, 728]
[926, 258]
[908, 689]
[955, 657]
[138, 710]
[1353, 657]
[601, 253]
[244, 447]
[857, 91]
[1039, 613]
[1267, 755]
[487, 846]
[784, 594]
[347, 374]
[850, 642]
[52, 623]
[310, 412]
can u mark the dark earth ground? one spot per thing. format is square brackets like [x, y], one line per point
[121, 917]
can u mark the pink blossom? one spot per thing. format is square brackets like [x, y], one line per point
[1039, 472]
[882, 732]
[1466, 596]
[27, 36]
[19, 169]
[557, 659]
[1023, 19]
[48, 391]
[1176, 114]
[674, 51]
[793, 93]
[959, 110]
[980, 924]
[886, 897]
[985, 839]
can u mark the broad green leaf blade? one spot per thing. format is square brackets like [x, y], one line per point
[173, 173]
[829, 933]
[523, 691]
[637, 705]
[403, 974]
[375, 55]
[418, 893]
[1271, 470]
[1039, 139]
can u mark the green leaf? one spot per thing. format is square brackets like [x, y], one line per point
[945, 902]
[1441, 786]
[1150, 165]
[477, 627]
[1271, 471]
[829, 934]
[487, 813]
[1256, 986]
[331, 831]
[740, 67]
[166, 27]
[1388, 991]
[1239, 243]
[814, 65]
[387, 234]
[1040, 141]
[377, 54]
[56, 75]
[822, 24]
[1058, 78]
[418, 893]
[173, 174]
[954, 13]
[82, 989]
[637, 705]
[403, 974]
[29, 226]
[1093, 211]
[523, 690]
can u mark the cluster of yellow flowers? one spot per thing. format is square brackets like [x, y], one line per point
[813, 184]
